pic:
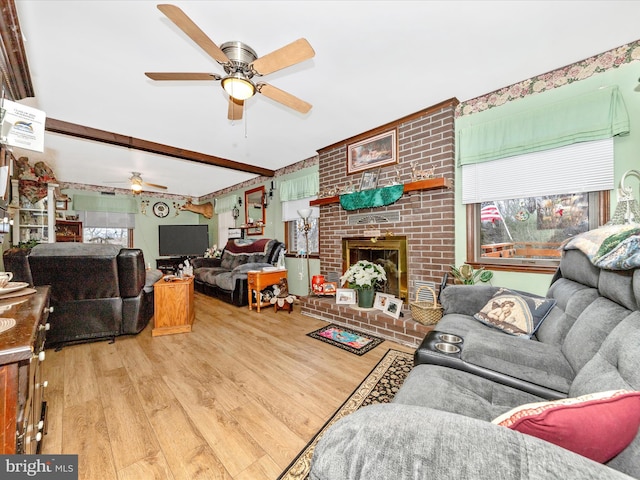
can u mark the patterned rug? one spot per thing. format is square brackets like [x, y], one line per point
[350, 340]
[380, 386]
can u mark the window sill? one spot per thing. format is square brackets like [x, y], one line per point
[516, 267]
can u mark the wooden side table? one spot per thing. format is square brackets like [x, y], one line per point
[258, 280]
[173, 306]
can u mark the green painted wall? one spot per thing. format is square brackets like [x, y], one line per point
[627, 154]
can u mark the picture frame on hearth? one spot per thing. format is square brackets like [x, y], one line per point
[369, 179]
[393, 307]
[373, 152]
[381, 300]
[345, 296]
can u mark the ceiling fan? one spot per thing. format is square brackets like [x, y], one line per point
[241, 64]
[136, 183]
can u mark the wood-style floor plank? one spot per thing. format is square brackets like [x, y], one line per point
[235, 399]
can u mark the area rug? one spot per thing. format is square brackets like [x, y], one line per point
[350, 340]
[379, 386]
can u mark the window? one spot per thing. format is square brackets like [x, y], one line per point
[113, 236]
[520, 209]
[295, 238]
[526, 233]
[115, 228]
[296, 241]
[519, 166]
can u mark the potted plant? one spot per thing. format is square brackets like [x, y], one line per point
[364, 277]
[467, 275]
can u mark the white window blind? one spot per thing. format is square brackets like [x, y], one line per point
[225, 222]
[107, 219]
[290, 209]
[576, 168]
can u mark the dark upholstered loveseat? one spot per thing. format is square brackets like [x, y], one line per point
[98, 292]
[442, 421]
[226, 277]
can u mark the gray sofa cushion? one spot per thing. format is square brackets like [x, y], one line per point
[393, 441]
[616, 366]
[535, 362]
[459, 392]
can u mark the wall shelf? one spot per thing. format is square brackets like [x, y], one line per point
[428, 184]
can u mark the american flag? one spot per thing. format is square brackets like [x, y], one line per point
[490, 213]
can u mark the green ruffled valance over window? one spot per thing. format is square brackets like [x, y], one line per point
[376, 197]
[591, 116]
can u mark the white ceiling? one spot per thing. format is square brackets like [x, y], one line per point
[375, 62]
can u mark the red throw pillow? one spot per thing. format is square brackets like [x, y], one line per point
[597, 426]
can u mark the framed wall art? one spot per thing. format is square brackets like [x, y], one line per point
[345, 296]
[381, 300]
[373, 152]
[393, 307]
[369, 179]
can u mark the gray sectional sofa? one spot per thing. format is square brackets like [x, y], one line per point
[226, 277]
[439, 424]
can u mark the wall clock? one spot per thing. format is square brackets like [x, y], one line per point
[160, 209]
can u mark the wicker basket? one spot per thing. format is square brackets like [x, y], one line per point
[426, 312]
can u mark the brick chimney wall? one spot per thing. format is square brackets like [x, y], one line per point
[426, 217]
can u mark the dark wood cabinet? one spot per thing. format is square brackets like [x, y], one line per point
[22, 403]
[67, 231]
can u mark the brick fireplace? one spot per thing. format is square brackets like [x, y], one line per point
[424, 217]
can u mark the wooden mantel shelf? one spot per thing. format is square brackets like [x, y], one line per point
[428, 184]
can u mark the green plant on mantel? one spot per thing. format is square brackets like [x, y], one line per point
[467, 275]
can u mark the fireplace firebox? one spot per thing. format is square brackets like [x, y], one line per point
[389, 252]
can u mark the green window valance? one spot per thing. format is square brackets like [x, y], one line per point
[90, 203]
[591, 116]
[298, 188]
[225, 204]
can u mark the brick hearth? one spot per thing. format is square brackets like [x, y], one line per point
[404, 330]
[426, 218]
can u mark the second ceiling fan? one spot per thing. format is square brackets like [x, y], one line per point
[241, 64]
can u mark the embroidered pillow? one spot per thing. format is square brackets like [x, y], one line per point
[514, 313]
[598, 426]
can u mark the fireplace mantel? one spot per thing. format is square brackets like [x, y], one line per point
[428, 184]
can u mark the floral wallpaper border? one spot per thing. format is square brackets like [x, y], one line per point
[547, 81]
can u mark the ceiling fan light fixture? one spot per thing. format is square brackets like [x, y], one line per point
[136, 182]
[238, 86]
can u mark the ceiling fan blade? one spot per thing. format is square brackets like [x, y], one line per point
[283, 97]
[184, 23]
[154, 185]
[181, 76]
[286, 56]
[235, 109]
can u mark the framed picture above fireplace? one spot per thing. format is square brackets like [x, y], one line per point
[373, 152]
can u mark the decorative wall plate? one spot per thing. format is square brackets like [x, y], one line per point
[160, 209]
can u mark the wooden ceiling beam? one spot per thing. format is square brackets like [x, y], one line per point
[103, 136]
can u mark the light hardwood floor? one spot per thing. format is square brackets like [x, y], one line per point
[237, 398]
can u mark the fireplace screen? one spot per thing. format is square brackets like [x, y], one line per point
[391, 253]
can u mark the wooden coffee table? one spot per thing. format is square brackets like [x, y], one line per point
[258, 280]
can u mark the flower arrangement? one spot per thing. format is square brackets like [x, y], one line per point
[466, 274]
[213, 252]
[364, 275]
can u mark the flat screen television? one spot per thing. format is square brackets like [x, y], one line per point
[183, 240]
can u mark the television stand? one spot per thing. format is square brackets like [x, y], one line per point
[169, 265]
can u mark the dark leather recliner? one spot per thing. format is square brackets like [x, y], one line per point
[98, 292]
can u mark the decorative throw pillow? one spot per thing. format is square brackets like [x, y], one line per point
[597, 426]
[514, 313]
